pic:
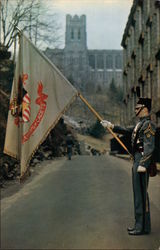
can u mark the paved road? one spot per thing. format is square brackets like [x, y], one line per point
[85, 203]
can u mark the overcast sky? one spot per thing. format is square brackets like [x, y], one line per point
[106, 19]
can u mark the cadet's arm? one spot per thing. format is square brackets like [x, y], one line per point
[122, 130]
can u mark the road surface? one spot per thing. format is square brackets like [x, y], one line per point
[85, 203]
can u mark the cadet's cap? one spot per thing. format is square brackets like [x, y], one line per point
[144, 102]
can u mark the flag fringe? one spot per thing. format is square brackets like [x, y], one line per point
[26, 173]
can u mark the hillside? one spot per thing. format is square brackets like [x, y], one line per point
[106, 103]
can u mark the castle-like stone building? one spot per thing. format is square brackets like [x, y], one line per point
[86, 69]
[141, 57]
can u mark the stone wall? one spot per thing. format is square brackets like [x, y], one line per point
[141, 57]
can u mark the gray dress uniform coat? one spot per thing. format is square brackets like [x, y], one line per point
[143, 145]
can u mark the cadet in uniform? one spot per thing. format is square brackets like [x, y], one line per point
[69, 144]
[143, 144]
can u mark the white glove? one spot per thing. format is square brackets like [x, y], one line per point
[107, 124]
[141, 169]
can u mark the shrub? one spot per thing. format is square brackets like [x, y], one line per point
[97, 130]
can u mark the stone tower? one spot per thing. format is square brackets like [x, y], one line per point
[75, 36]
[75, 51]
[86, 69]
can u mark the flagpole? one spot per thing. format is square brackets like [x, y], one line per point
[100, 119]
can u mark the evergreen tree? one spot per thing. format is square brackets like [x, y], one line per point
[112, 87]
[116, 93]
[97, 130]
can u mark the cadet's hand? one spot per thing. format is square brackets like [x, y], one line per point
[141, 169]
[107, 124]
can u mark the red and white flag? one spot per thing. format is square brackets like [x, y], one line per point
[40, 95]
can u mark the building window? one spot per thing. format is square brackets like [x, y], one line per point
[135, 99]
[109, 62]
[143, 90]
[79, 34]
[129, 79]
[100, 75]
[140, 19]
[149, 42]
[132, 37]
[148, 7]
[71, 60]
[156, 89]
[129, 109]
[140, 57]
[134, 65]
[150, 79]
[75, 61]
[128, 49]
[80, 63]
[135, 35]
[138, 91]
[100, 62]
[124, 57]
[143, 53]
[72, 34]
[92, 61]
[118, 62]
[158, 118]
[158, 25]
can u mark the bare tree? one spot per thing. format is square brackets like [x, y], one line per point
[32, 17]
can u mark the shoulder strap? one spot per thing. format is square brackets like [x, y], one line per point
[138, 129]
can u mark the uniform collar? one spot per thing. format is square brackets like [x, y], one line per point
[144, 118]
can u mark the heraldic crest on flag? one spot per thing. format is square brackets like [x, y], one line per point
[20, 105]
[40, 95]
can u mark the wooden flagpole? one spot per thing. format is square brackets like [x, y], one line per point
[100, 119]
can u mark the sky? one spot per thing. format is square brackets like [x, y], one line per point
[105, 19]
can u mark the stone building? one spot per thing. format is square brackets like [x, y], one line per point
[86, 69]
[141, 57]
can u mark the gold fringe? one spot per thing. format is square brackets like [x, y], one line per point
[25, 174]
